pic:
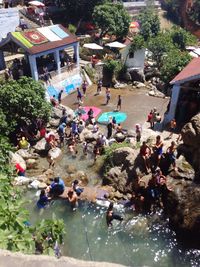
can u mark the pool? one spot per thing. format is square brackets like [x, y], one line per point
[137, 241]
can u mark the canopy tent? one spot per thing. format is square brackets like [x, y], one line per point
[116, 45]
[134, 24]
[36, 3]
[93, 46]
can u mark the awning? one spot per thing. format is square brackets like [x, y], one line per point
[116, 45]
[93, 46]
[36, 3]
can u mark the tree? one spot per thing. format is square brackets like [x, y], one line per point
[159, 46]
[194, 12]
[137, 43]
[149, 23]
[112, 19]
[22, 101]
[174, 61]
[181, 38]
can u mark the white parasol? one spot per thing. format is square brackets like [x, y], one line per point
[116, 45]
[36, 3]
[93, 46]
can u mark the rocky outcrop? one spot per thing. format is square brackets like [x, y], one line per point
[42, 146]
[191, 148]
[122, 174]
[16, 158]
[183, 209]
[54, 153]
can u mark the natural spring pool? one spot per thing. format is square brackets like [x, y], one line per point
[137, 241]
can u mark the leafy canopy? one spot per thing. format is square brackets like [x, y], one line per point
[174, 61]
[181, 38]
[21, 101]
[111, 18]
[137, 43]
[149, 23]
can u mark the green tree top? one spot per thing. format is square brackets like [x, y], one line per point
[149, 23]
[111, 18]
[22, 100]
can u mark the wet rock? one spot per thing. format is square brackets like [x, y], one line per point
[54, 122]
[56, 112]
[120, 155]
[117, 179]
[71, 169]
[55, 153]
[119, 137]
[89, 136]
[16, 158]
[184, 213]
[31, 163]
[25, 154]
[119, 85]
[42, 185]
[21, 180]
[156, 93]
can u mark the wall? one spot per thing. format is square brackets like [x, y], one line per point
[137, 61]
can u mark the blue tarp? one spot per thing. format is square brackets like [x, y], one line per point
[119, 116]
[52, 91]
[58, 31]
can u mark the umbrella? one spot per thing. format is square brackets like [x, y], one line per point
[93, 46]
[134, 24]
[36, 3]
[116, 45]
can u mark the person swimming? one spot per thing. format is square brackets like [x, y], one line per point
[110, 215]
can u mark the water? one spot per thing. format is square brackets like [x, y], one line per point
[137, 241]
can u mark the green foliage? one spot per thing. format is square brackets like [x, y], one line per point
[159, 46]
[4, 148]
[173, 9]
[181, 38]
[138, 43]
[149, 23]
[174, 61]
[112, 18]
[72, 28]
[22, 100]
[194, 13]
[113, 67]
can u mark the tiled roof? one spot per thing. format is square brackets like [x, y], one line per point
[191, 71]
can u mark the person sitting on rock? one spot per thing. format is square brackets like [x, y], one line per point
[145, 153]
[23, 143]
[19, 169]
[56, 188]
[76, 187]
[119, 128]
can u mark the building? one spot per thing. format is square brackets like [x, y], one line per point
[134, 7]
[185, 97]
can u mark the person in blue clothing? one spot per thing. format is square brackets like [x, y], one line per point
[61, 132]
[57, 187]
[43, 200]
[79, 96]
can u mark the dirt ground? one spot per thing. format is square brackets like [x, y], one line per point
[135, 102]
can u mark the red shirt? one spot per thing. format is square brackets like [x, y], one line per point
[19, 168]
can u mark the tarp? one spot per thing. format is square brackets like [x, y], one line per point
[116, 45]
[119, 116]
[93, 46]
[49, 34]
[58, 31]
[96, 111]
[36, 3]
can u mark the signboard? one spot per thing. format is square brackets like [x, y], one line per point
[9, 20]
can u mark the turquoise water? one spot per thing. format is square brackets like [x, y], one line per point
[137, 241]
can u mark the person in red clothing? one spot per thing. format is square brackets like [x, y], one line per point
[20, 171]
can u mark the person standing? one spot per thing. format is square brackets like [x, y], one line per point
[60, 96]
[79, 96]
[109, 128]
[110, 215]
[84, 87]
[107, 95]
[99, 85]
[172, 128]
[119, 103]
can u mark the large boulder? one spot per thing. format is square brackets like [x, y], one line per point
[54, 122]
[123, 155]
[16, 158]
[25, 154]
[88, 135]
[184, 213]
[57, 112]
[137, 75]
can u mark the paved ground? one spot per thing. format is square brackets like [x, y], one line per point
[8, 259]
[136, 103]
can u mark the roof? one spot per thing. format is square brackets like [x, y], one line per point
[39, 40]
[189, 73]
